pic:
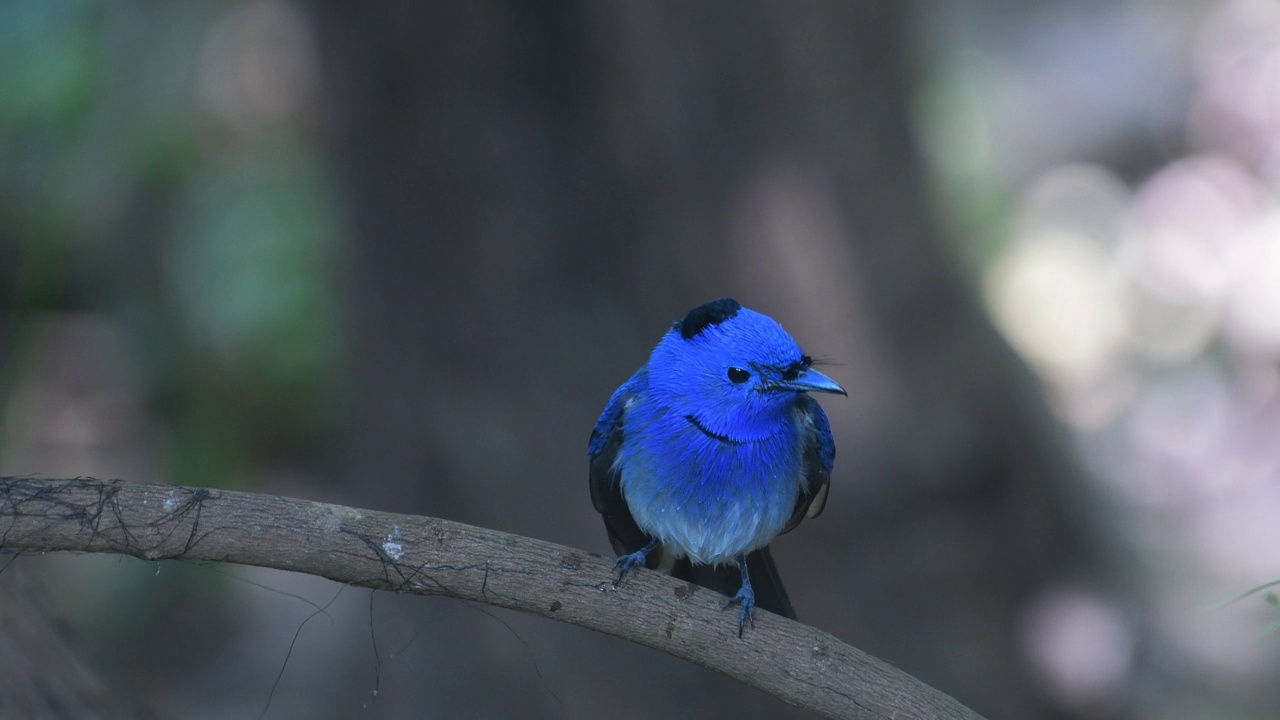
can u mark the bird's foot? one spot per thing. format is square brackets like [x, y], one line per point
[626, 563]
[746, 600]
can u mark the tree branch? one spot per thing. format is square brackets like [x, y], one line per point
[429, 556]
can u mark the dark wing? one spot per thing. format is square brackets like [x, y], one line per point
[606, 489]
[819, 457]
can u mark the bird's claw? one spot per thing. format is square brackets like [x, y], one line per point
[626, 563]
[746, 599]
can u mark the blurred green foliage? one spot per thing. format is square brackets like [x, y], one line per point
[212, 250]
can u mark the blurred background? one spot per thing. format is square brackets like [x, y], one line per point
[399, 255]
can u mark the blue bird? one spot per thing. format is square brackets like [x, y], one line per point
[711, 450]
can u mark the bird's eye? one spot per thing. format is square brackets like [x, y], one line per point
[738, 376]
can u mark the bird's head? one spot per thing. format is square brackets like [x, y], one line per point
[734, 370]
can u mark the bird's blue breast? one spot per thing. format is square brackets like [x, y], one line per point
[705, 497]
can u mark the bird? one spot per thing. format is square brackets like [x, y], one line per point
[712, 449]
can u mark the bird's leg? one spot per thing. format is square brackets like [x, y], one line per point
[634, 560]
[746, 597]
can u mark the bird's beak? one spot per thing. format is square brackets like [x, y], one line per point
[812, 381]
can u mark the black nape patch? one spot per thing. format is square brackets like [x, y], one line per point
[704, 316]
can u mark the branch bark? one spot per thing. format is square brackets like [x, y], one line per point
[430, 556]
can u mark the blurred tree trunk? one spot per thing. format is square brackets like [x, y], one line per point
[540, 188]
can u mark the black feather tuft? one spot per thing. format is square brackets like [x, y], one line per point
[704, 316]
[794, 369]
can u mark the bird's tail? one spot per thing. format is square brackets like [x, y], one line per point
[725, 579]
